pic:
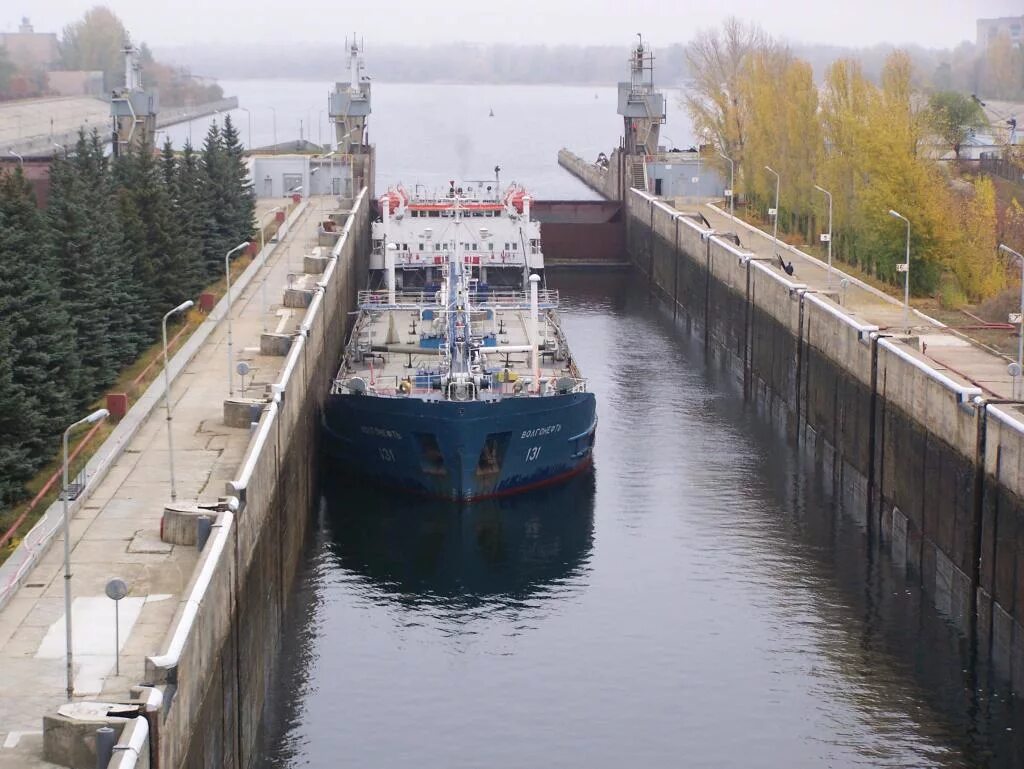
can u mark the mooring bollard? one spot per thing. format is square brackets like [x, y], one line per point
[104, 746]
[204, 524]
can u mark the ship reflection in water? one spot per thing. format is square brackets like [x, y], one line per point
[494, 552]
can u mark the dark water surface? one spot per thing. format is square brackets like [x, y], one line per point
[699, 600]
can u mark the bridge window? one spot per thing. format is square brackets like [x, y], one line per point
[421, 246]
[490, 246]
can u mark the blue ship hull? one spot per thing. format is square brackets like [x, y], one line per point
[462, 450]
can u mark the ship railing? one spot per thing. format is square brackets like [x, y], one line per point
[404, 300]
[547, 299]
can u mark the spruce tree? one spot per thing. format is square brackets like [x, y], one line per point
[218, 225]
[15, 455]
[180, 185]
[44, 355]
[85, 238]
[241, 199]
[151, 234]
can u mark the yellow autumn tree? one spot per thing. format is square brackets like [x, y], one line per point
[977, 266]
[784, 132]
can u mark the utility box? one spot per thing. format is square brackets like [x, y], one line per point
[207, 301]
[117, 404]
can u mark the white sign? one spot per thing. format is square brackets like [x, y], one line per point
[1015, 317]
[902, 267]
[695, 179]
[728, 193]
[771, 212]
[825, 237]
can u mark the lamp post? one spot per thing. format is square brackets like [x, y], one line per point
[732, 183]
[829, 240]
[263, 283]
[21, 160]
[248, 115]
[1020, 341]
[167, 395]
[775, 211]
[905, 269]
[274, 113]
[95, 416]
[227, 312]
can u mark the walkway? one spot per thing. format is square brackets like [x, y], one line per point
[945, 349]
[117, 533]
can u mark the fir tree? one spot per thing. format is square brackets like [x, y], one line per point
[15, 456]
[186, 214]
[241, 201]
[85, 238]
[218, 226]
[44, 355]
[151, 232]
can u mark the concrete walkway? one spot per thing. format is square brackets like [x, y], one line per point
[117, 532]
[946, 350]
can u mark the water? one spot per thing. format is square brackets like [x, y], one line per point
[428, 134]
[700, 599]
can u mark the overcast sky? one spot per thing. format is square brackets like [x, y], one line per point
[936, 23]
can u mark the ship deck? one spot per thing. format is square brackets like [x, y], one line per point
[386, 350]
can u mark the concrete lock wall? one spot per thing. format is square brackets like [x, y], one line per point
[217, 665]
[932, 472]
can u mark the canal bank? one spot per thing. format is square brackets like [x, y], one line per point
[198, 627]
[912, 426]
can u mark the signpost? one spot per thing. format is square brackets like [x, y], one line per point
[116, 589]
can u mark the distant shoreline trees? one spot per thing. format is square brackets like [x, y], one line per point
[83, 285]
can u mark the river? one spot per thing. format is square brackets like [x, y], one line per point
[700, 599]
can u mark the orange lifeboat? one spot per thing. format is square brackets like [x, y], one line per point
[392, 200]
[515, 196]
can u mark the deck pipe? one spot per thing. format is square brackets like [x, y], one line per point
[534, 317]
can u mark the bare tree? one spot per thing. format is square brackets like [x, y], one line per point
[716, 59]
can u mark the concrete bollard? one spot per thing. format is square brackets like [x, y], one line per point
[204, 525]
[298, 297]
[275, 344]
[242, 412]
[314, 264]
[105, 737]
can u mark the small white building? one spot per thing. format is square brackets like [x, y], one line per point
[275, 176]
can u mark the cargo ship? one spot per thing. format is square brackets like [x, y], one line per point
[457, 380]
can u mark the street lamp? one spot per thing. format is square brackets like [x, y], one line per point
[227, 311]
[775, 211]
[248, 114]
[263, 283]
[167, 395]
[829, 239]
[95, 416]
[274, 112]
[1020, 342]
[732, 183]
[21, 160]
[905, 269]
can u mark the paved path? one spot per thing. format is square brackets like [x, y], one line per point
[946, 350]
[116, 534]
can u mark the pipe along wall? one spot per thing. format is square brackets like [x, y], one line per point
[930, 470]
[217, 663]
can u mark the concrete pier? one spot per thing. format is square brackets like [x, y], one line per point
[912, 422]
[197, 629]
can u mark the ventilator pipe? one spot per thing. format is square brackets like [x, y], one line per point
[506, 348]
[534, 353]
[389, 265]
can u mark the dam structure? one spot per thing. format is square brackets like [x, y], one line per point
[913, 424]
